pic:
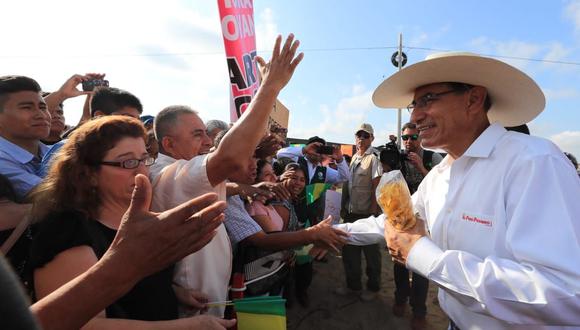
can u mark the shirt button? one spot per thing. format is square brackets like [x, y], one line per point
[449, 211]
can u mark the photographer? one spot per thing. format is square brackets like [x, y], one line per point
[310, 159]
[414, 162]
[417, 160]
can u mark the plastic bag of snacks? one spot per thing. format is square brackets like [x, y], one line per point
[395, 200]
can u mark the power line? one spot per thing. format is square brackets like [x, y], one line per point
[306, 50]
[503, 56]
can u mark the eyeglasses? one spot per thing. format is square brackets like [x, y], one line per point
[426, 99]
[363, 135]
[131, 163]
[413, 137]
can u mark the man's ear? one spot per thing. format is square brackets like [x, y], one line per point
[476, 98]
[166, 143]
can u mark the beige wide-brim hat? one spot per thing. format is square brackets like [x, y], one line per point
[516, 98]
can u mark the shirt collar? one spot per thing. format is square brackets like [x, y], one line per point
[484, 144]
[370, 150]
[20, 154]
[164, 158]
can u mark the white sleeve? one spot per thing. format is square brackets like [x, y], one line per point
[334, 176]
[290, 152]
[365, 231]
[377, 169]
[541, 283]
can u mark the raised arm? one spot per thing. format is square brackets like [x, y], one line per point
[70, 89]
[238, 145]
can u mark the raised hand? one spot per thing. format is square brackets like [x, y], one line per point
[337, 154]
[257, 192]
[312, 149]
[70, 88]
[277, 72]
[176, 233]
[269, 145]
[279, 190]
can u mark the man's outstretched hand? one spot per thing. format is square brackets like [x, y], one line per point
[147, 242]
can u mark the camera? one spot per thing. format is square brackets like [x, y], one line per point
[90, 85]
[392, 156]
[325, 150]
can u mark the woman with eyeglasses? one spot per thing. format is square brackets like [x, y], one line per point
[80, 206]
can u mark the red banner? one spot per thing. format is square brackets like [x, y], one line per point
[237, 21]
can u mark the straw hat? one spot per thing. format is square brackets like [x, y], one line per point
[516, 99]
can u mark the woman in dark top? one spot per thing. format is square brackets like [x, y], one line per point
[80, 206]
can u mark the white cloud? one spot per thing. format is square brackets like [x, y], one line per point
[519, 53]
[568, 141]
[266, 29]
[513, 49]
[564, 93]
[506, 49]
[170, 53]
[557, 52]
[339, 122]
[417, 37]
[572, 12]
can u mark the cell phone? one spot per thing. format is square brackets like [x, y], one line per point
[325, 150]
[90, 85]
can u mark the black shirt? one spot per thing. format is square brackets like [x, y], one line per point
[150, 299]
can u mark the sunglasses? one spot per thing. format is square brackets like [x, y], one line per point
[413, 137]
[363, 135]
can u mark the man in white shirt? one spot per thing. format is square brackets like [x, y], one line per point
[182, 172]
[502, 208]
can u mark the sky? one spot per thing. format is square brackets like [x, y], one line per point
[172, 52]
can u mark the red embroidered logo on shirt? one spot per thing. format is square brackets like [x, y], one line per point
[477, 219]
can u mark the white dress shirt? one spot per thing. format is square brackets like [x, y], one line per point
[504, 226]
[209, 269]
[504, 220]
[332, 175]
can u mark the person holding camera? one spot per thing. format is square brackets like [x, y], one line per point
[418, 161]
[310, 159]
[358, 201]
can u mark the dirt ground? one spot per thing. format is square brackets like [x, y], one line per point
[331, 311]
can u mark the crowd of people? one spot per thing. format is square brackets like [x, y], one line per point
[132, 221]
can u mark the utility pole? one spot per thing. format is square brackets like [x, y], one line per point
[400, 66]
[399, 59]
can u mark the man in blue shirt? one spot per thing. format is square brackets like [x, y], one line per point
[24, 120]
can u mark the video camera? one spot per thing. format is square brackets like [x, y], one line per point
[392, 156]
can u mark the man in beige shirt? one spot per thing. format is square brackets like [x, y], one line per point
[358, 202]
[183, 172]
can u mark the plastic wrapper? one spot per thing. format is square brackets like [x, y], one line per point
[394, 198]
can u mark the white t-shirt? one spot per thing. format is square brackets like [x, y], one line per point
[209, 269]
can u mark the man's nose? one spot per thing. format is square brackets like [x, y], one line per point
[416, 116]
